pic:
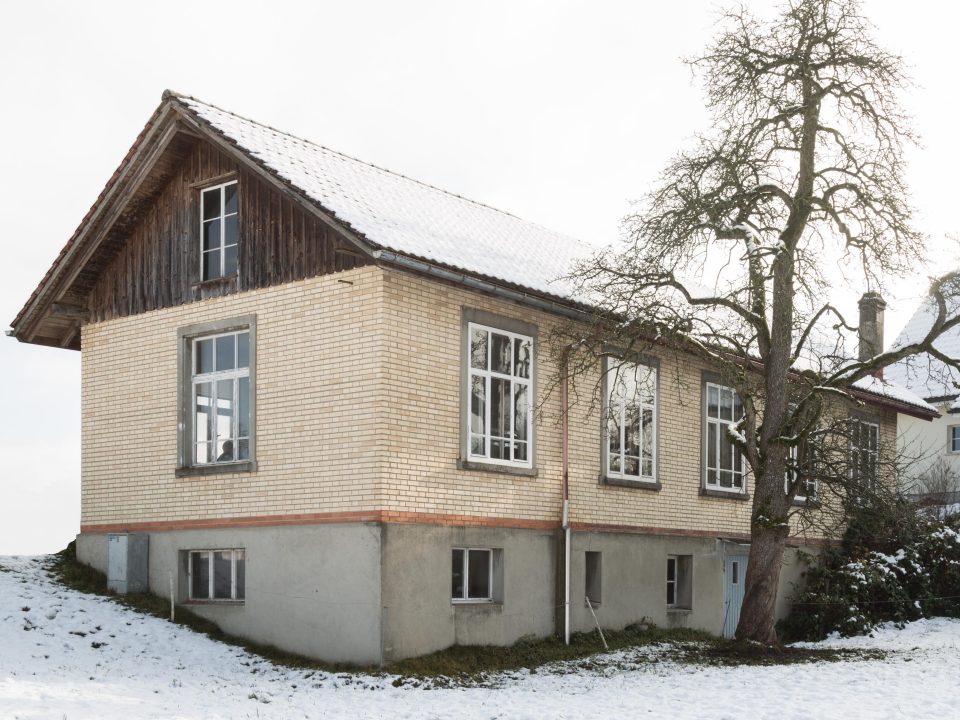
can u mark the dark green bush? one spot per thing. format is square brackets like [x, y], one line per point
[892, 565]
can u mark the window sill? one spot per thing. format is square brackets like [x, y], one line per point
[477, 606]
[476, 466]
[220, 282]
[247, 466]
[725, 494]
[636, 484]
[672, 610]
[216, 603]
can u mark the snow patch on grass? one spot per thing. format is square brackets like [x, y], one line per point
[65, 653]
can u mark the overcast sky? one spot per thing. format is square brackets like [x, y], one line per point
[560, 112]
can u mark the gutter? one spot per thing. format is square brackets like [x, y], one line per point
[474, 283]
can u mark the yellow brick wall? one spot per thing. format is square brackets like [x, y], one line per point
[422, 333]
[422, 364]
[317, 392]
[358, 409]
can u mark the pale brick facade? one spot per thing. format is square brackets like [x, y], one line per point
[318, 373]
[358, 390]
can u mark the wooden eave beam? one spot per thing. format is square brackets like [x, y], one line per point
[76, 312]
[101, 218]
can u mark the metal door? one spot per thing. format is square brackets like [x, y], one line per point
[734, 570]
[117, 563]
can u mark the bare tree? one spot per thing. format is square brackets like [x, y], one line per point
[798, 185]
[938, 488]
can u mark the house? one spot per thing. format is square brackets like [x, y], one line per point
[931, 450]
[320, 390]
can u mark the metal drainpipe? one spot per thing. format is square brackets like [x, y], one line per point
[565, 523]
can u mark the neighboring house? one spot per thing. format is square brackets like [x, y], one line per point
[319, 388]
[930, 450]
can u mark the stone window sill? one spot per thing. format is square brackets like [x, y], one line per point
[247, 466]
[636, 484]
[707, 492]
[475, 466]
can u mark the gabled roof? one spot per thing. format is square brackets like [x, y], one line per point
[407, 216]
[387, 215]
[380, 211]
[922, 374]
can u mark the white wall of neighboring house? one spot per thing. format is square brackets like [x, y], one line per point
[921, 443]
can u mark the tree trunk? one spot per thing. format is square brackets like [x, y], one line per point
[760, 588]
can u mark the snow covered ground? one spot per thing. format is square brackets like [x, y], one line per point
[68, 655]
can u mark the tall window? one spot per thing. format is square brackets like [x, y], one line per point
[218, 212]
[217, 574]
[801, 469]
[500, 396]
[724, 461]
[221, 398]
[631, 416]
[680, 581]
[955, 438]
[864, 452]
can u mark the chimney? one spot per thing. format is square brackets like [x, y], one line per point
[870, 329]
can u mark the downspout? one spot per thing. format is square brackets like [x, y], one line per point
[565, 521]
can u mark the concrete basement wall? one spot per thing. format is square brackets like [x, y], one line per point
[310, 589]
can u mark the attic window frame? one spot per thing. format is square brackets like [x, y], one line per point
[219, 184]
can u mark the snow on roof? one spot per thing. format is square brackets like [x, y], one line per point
[891, 391]
[922, 374]
[408, 216]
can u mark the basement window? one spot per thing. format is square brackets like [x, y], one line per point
[593, 580]
[680, 581]
[216, 574]
[219, 231]
[477, 575]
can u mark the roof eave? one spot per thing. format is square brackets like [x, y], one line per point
[67, 264]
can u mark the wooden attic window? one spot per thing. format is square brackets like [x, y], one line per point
[219, 237]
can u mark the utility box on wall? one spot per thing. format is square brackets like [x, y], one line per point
[127, 562]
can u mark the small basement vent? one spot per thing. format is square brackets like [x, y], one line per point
[593, 581]
[127, 563]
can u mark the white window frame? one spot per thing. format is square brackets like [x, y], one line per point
[723, 426]
[612, 374]
[210, 574]
[951, 430]
[672, 559]
[223, 228]
[487, 375]
[855, 450]
[466, 575]
[213, 377]
[682, 582]
[793, 457]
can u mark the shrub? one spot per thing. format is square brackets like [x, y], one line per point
[892, 565]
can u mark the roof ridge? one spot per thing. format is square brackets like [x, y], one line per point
[181, 96]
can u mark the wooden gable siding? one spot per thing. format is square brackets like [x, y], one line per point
[156, 263]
